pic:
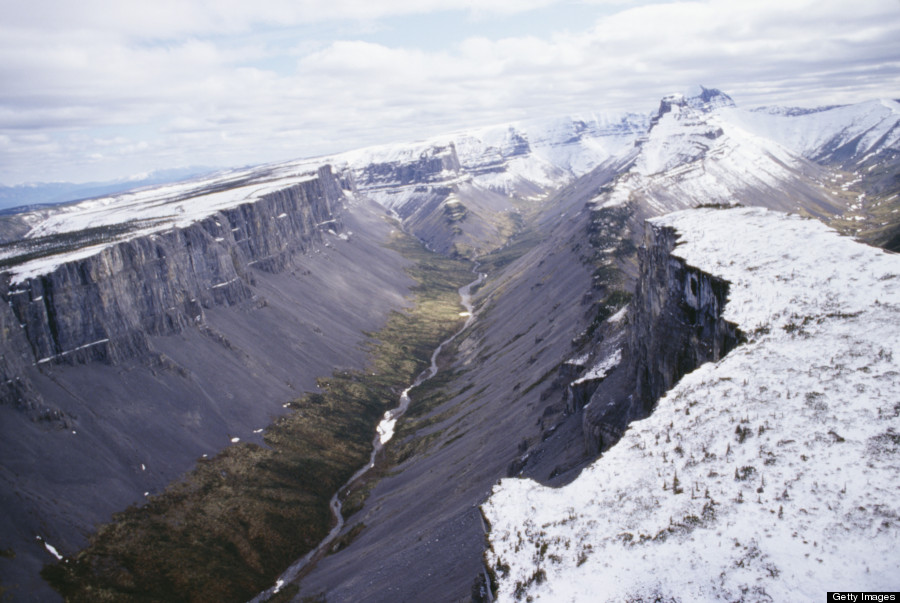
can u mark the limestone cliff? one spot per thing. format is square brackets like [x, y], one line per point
[418, 168]
[675, 326]
[105, 306]
[120, 369]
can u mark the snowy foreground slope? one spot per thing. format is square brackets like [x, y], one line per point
[772, 475]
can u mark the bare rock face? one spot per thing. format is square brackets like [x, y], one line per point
[678, 322]
[430, 165]
[676, 326]
[104, 307]
[120, 369]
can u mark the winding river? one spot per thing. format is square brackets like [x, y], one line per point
[384, 432]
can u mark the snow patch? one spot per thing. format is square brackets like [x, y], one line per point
[618, 316]
[770, 475]
[386, 428]
[601, 369]
[50, 548]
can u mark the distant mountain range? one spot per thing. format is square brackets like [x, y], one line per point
[51, 193]
[635, 263]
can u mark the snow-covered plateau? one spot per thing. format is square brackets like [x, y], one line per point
[699, 148]
[771, 475]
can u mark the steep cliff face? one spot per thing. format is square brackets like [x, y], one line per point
[105, 306]
[677, 317]
[414, 168]
[123, 367]
[434, 195]
[675, 325]
[754, 475]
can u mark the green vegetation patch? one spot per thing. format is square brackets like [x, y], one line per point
[227, 529]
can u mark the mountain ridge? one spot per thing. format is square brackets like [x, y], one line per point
[558, 232]
[766, 478]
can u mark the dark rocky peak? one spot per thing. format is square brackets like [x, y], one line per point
[707, 99]
[669, 103]
[516, 144]
[699, 99]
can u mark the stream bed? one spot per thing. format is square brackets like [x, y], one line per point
[384, 433]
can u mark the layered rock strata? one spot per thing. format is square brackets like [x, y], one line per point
[675, 326]
[121, 369]
[105, 306]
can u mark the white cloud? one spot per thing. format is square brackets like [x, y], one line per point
[194, 82]
[174, 18]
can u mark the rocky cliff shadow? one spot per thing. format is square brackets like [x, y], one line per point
[674, 325]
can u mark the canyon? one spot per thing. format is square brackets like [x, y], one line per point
[145, 332]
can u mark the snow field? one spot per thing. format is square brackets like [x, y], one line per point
[772, 475]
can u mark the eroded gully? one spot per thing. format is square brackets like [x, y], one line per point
[384, 432]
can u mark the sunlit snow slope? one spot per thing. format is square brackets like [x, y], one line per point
[845, 132]
[537, 154]
[772, 475]
[701, 152]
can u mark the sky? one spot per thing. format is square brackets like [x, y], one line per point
[104, 89]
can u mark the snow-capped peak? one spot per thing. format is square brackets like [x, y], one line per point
[698, 98]
[707, 99]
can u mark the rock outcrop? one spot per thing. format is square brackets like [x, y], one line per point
[105, 306]
[122, 368]
[675, 326]
[419, 168]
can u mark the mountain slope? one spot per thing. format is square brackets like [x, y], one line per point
[769, 475]
[831, 134]
[286, 268]
[860, 144]
[156, 351]
[695, 154]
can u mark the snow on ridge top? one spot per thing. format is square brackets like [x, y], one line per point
[771, 475]
[813, 252]
[893, 105]
[164, 206]
[574, 142]
[870, 126]
[146, 211]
